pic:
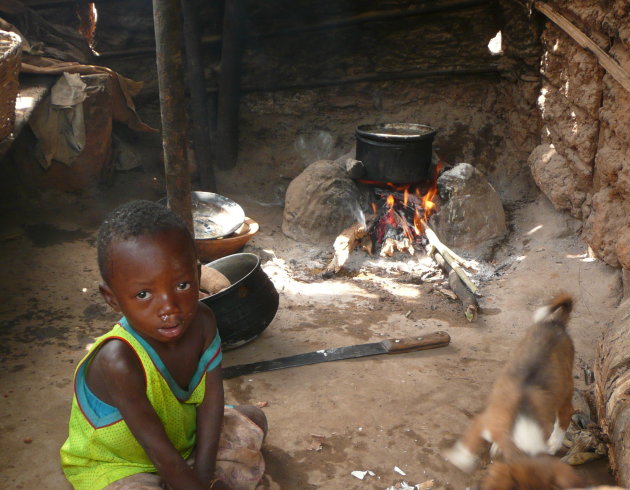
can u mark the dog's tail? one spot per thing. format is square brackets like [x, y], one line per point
[557, 311]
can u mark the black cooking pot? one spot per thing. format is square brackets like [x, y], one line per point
[248, 306]
[395, 152]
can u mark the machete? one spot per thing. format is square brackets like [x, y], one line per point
[390, 346]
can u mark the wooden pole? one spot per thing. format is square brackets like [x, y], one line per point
[198, 97]
[168, 36]
[612, 386]
[229, 83]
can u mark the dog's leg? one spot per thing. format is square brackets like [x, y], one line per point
[560, 426]
[464, 454]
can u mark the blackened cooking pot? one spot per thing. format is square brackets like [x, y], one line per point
[248, 306]
[395, 152]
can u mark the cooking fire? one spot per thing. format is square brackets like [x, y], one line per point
[401, 223]
[400, 215]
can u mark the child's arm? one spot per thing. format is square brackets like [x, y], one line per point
[209, 420]
[124, 381]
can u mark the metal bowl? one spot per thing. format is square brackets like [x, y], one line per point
[214, 215]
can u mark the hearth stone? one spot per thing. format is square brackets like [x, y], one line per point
[471, 216]
[321, 202]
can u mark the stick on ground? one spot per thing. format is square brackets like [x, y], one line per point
[451, 257]
[468, 299]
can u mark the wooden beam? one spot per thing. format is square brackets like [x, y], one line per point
[610, 65]
[490, 70]
[168, 42]
[370, 16]
[198, 97]
[373, 16]
[229, 83]
[48, 4]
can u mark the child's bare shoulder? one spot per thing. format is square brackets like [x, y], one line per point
[116, 353]
[114, 367]
[207, 323]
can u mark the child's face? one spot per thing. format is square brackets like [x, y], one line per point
[154, 283]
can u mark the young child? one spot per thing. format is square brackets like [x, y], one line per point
[148, 409]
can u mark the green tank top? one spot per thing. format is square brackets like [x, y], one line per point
[100, 448]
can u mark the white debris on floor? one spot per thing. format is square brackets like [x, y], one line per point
[362, 474]
[403, 485]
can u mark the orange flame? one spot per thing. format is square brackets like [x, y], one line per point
[418, 223]
[424, 205]
[427, 202]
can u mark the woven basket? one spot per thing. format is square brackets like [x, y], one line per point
[10, 55]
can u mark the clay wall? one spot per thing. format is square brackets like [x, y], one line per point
[583, 162]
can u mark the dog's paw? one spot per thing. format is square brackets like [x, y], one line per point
[461, 457]
[554, 443]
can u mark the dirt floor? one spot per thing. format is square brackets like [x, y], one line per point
[326, 420]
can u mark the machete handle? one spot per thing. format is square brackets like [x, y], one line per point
[410, 344]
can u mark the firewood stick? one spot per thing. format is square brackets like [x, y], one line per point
[460, 272]
[437, 243]
[469, 302]
[344, 244]
[450, 257]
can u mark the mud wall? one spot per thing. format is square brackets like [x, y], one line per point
[483, 106]
[583, 162]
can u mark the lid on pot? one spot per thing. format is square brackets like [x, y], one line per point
[396, 131]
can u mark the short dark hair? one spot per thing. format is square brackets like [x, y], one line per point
[133, 219]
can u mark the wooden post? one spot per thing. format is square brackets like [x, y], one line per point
[229, 83]
[198, 97]
[168, 46]
[612, 386]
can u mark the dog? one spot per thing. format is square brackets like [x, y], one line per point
[539, 473]
[529, 408]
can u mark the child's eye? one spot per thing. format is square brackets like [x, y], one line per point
[143, 295]
[183, 286]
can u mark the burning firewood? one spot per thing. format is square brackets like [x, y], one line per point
[344, 244]
[392, 245]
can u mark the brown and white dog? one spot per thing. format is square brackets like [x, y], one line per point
[539, 473]
[529, 408]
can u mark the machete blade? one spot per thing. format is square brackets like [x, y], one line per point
[391, 346]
